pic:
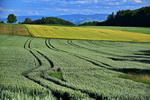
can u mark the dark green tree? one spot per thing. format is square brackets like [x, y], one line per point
[111, 16]
[1, 21]
[48, 20]
[28, 21]
[11, 18]
[138, 17]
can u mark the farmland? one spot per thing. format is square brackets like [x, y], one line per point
[13, 29]
[33, 68]
[86, 33]
[129, 29]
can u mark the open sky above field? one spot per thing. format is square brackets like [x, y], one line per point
[66, 7]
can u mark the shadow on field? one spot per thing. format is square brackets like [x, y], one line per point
[141, 56]
[144, 53]
[131, 59]
[133, 70]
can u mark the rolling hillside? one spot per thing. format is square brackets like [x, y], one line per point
[75, 18]
[86, 33]
[82, 68]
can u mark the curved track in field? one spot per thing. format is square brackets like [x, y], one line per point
[43, 63]
[103, 65]
[114, 56]
[36, 53]
[104, 44]
[113, 45]
[93, 61]
[70, 42]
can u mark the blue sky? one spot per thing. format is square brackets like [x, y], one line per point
[66, 7]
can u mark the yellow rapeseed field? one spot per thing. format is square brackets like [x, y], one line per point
[86, 33]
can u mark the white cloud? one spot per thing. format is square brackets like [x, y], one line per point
[78, 2]
[30, 1]
[1, 9]
[137, 1]
[114, 3]
[29, 12]
[129, 6]
[109, 2]
[74, 11]
[62, 9]
[8, 10]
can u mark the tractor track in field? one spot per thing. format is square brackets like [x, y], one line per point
[112, 44]
[27, 46]
[129, 58]
[91, 42]
[115, 43]
[49, 45]
[75, 45]
[92, 95]
[94, 62]
[50, 62]
[57, 94]
[118, 57]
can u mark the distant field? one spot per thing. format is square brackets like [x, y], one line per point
[131, 34]
[13, 29]
[86, 33]
[128, 29]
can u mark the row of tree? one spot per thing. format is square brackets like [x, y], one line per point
[138, 17]
[47, 20]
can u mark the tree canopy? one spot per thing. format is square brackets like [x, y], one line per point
[1, 22]
[139, 17]
[28, 21]
[11, 18]
[47, 20]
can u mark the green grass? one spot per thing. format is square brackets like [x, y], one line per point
[53, 69]
[138, 77]
[56, 75]
[41, 68]
[145, 30]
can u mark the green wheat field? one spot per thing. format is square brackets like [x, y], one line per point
[57, 68]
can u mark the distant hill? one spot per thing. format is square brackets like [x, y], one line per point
[75, 18]
[79, 18]
[47, 20]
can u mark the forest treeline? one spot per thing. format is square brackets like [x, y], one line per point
[139, 18]
[47, 20]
